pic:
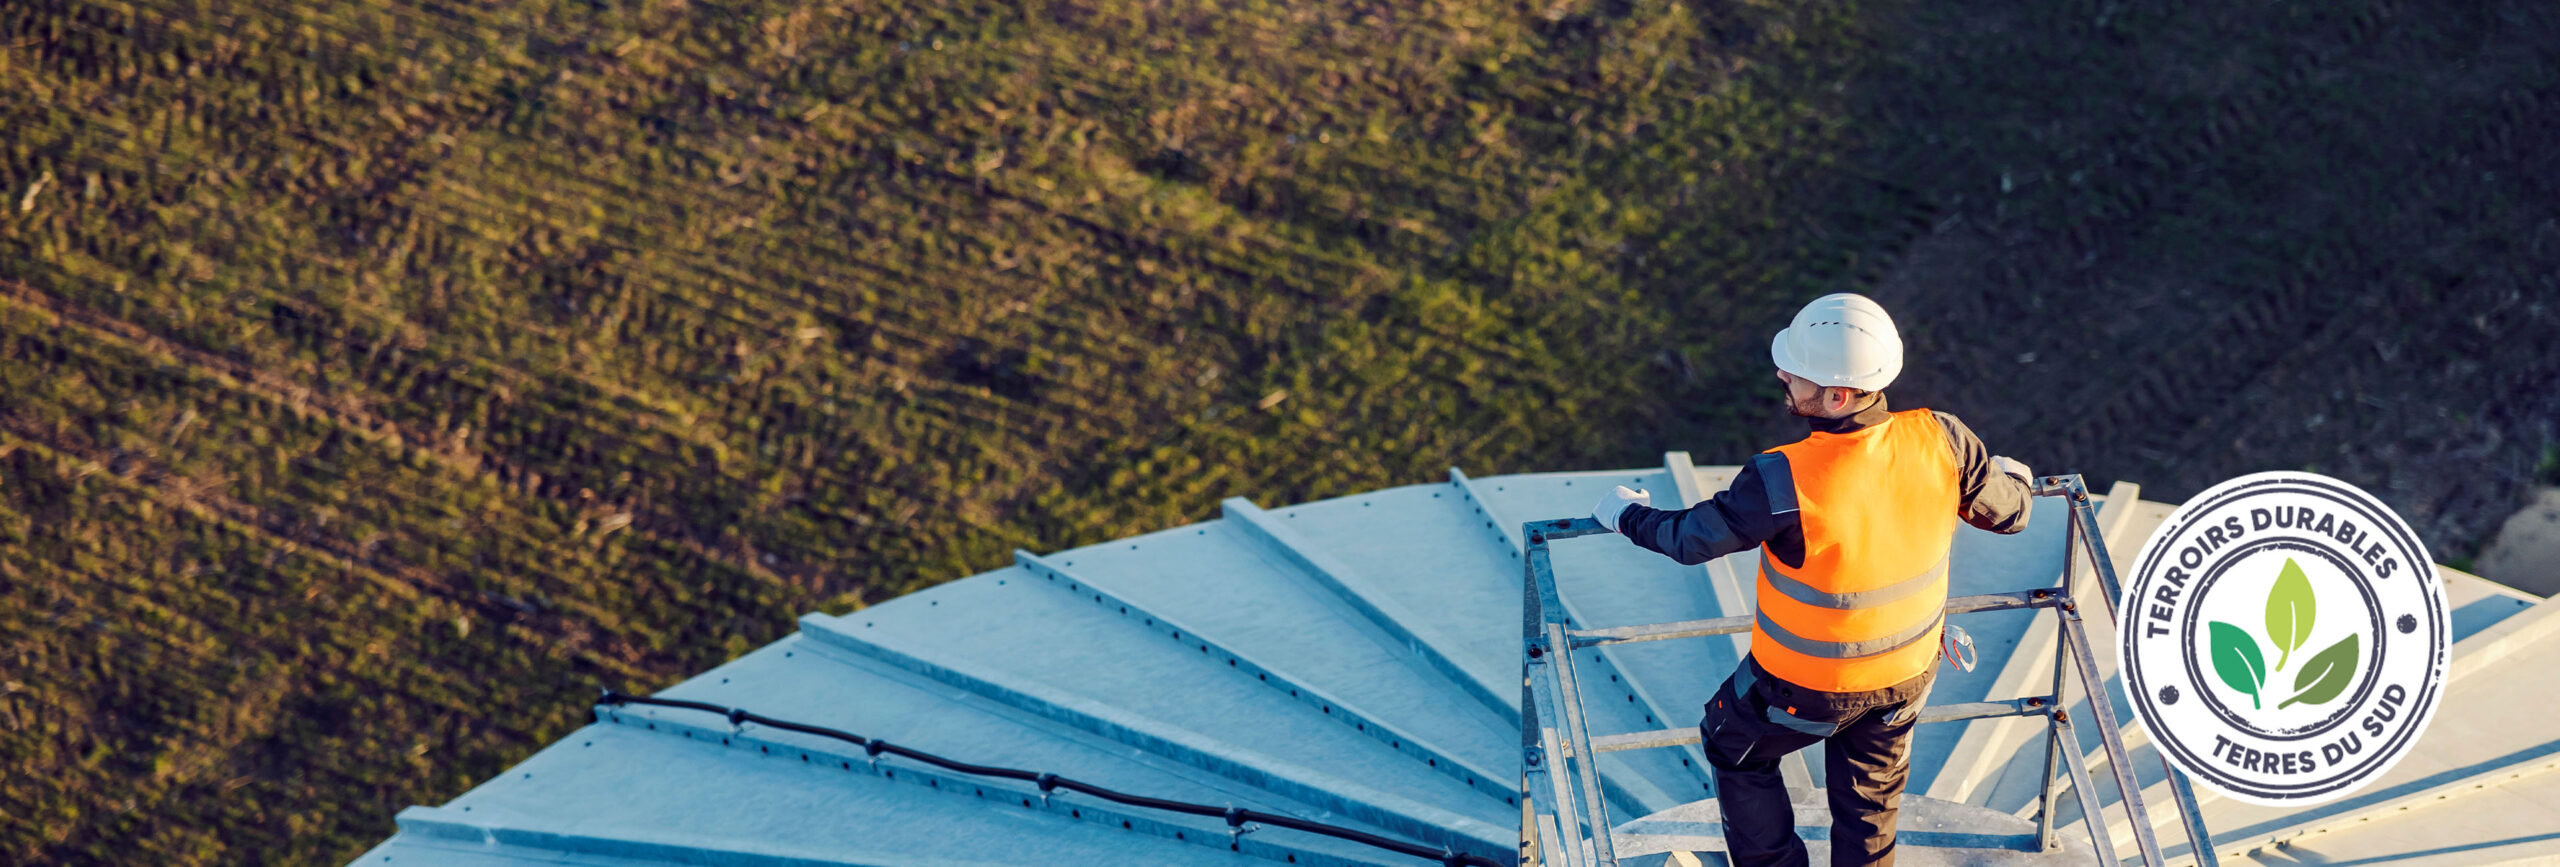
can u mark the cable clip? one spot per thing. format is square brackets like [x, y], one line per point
[1047, 783]
[873, 748]
[1237, 827]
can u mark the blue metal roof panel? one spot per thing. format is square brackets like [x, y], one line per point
[1076, 662]
[1220, 583]
[821, 684]
[2477, 607]
[631, 792]
[1432, 552]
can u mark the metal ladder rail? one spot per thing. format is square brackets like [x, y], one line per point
[1548, 693]
[1561, 748]
[1550, 757]
[2085, 534]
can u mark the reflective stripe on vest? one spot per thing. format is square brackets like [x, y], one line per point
[1848, 649]
[1878, 511]
[1890, 593]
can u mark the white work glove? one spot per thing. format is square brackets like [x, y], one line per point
[2011, 466]
[1615, 503]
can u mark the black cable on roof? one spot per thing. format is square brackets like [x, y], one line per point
[1235, 817]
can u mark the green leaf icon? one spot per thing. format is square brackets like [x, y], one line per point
[2325, 676]
[2290, 608]
[2237, 660]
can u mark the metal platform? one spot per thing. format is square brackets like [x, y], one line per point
[1355, 662]
[1929, 832]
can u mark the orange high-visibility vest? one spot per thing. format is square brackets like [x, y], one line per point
[1878, 508]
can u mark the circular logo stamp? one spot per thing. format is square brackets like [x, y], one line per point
[2283, 637]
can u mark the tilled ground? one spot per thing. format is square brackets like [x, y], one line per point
[2175, 243]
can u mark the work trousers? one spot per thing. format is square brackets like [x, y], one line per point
[1755, 720]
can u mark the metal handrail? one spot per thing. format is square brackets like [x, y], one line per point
[1560, 759]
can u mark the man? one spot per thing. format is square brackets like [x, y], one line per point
[1853, 524]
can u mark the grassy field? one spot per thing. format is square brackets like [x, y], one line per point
[378, 379]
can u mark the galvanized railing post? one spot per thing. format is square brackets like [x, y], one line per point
[2087, 793]
[1545, 762]
[1586, 763]
[2085, 530]
[2102, 707]
[1547, 665]
[1538, 753]
[2053, 746]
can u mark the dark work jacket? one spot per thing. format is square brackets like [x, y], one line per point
[1739, 517]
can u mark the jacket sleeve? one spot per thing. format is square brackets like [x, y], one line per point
[1756, 507]
[1989, 499]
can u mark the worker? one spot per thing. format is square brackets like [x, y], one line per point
[1853, 524]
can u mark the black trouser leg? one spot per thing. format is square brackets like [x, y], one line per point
[1865, 766]
[1743, 747]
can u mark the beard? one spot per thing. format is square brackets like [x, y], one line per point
[1805, 409]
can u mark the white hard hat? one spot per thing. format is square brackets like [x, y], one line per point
[1840, 339]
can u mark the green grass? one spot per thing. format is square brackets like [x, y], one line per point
[383, 377]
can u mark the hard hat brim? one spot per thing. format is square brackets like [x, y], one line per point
[1782, 352]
